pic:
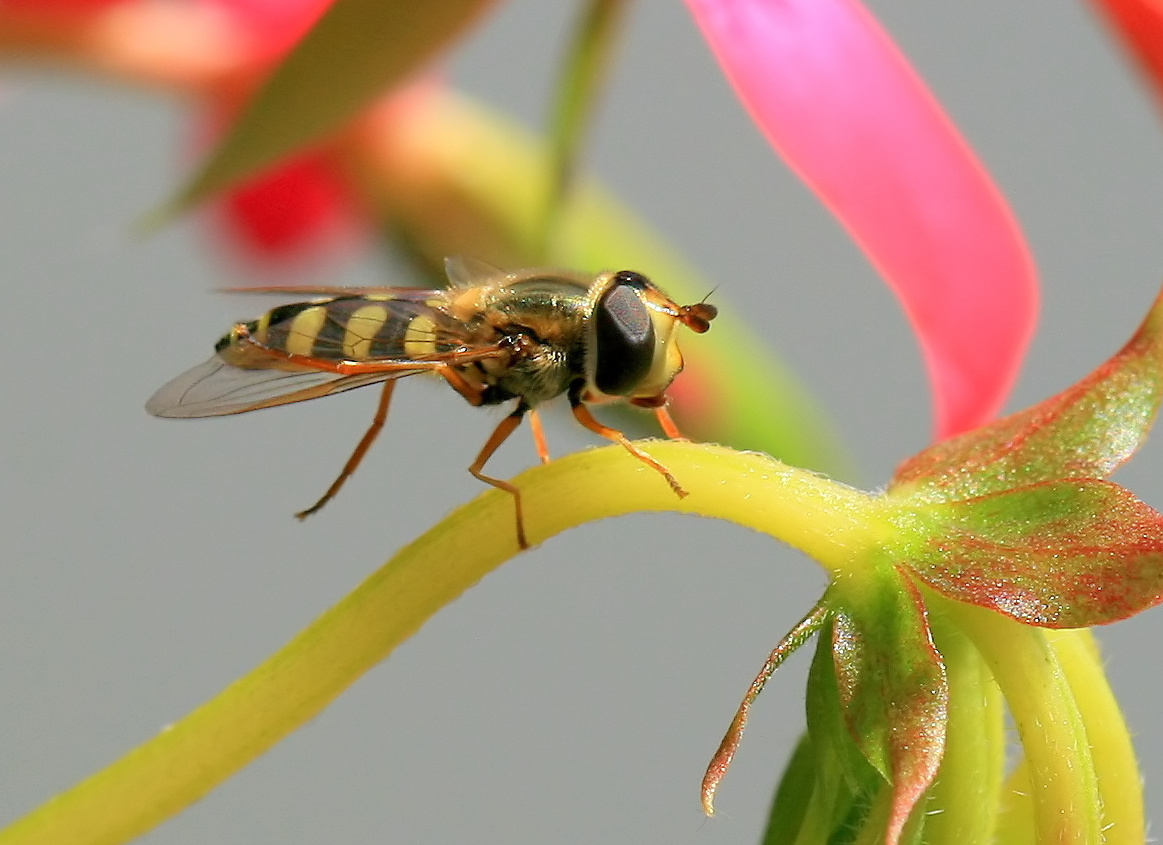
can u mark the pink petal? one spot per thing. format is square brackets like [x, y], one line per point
[836, 98]
[1140, 23]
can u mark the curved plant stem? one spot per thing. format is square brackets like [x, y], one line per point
[1120, 789]
[156, 780]
[1015, 818]
[1119, 784]
[1064, 786]
[962, 808]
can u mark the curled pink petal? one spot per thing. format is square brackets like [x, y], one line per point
[835, 97]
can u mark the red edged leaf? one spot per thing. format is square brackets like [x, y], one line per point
[1086, 431]
[1059, 554]
[836, 98]
[893, 691]
[1140, 23]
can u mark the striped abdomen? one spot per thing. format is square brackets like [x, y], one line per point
[355, 328]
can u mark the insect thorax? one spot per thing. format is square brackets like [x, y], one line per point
[543, 319]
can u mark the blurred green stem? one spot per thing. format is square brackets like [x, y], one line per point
[583, 76]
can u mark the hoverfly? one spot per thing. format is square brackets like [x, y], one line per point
[528, 336]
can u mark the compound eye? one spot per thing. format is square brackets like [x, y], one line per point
[634, 280]
[623, 345]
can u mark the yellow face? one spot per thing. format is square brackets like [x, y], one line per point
[631, 345]
[666, 362]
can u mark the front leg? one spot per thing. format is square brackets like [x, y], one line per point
[583, 416]
[659, 404]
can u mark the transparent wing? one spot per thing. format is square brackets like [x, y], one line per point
[406, 294]
[464, 271]
[461, 270]
[263, 378]
[215, 388]
[340, 344]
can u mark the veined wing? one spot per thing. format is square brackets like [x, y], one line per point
[215, 388]
[245, 376]
[306, 350]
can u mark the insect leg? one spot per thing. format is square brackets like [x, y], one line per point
[460, 384]
[369, 437]
[658, 404]
[500, 434]
[538, 436]
[583, 415]
[667, 422]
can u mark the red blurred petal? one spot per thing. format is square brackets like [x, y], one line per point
[298, 207]
[274, 25]
[59, 6]
[694, 397]
[836, 98]
[1140, 23]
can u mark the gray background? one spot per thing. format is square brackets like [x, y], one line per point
[575, 695]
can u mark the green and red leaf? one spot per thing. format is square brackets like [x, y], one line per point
[1086, 431]
[1058, 554]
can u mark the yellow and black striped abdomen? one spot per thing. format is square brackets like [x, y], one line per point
[357, 328]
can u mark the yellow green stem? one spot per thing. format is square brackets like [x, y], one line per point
[1119, 785]
[1064, 786]
[963, 801]
[1015, 817]
[829, 521]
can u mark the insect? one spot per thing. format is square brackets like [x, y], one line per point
[494, 336]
